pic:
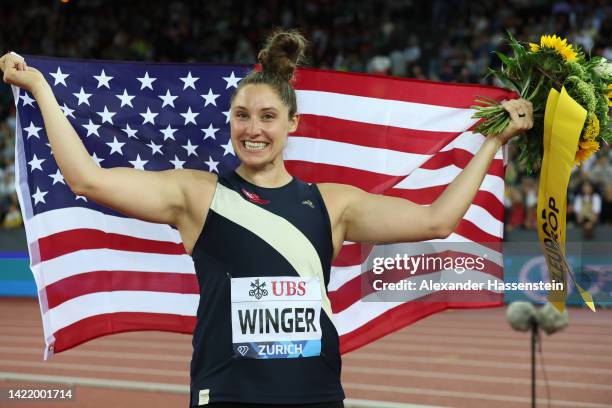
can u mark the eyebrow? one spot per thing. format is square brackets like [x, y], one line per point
[269, 108]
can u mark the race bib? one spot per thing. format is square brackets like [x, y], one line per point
[276, 317]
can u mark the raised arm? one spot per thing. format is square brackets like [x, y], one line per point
[159, 197]
[362, 217]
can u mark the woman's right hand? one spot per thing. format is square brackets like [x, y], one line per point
[16, 72]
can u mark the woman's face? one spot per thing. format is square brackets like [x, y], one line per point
[259, 125]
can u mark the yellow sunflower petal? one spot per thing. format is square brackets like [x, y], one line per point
[585, 150]
[533, 47]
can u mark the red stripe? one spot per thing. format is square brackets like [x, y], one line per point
[363, 285]
[461, 159]
[105, 324]
[471, 231]
[352, 254]
[108, 281]
[65, 242]
[402, 316]
[426, 196]
[400, 89]
[369, 135]
[329, 173]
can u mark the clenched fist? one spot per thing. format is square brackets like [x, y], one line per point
[16, 72]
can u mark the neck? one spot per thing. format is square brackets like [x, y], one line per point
[269, 177]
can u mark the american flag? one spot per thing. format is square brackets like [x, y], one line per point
[99, 272]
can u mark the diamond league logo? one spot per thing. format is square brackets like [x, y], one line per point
[243, 350]
[259, 289]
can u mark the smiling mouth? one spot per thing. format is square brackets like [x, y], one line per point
[254, 146]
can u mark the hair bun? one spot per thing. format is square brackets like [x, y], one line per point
[283, 51]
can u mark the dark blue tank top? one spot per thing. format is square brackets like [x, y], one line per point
[264, 332]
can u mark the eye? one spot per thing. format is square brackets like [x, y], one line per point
[268, 116]
[241, 115]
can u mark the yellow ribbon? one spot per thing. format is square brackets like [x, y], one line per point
[563, 122]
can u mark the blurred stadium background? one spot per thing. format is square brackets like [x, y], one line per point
[448, 41]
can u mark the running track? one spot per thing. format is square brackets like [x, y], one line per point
[467, 358]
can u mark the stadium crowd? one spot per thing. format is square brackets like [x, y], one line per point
[445, 40]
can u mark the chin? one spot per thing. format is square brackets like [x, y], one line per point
[253, 162]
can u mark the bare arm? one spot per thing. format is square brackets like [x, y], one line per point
[152, 196]
[363, 217]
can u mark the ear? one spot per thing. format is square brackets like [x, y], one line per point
[293, 123]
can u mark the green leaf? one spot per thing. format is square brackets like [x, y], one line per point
[504, 59]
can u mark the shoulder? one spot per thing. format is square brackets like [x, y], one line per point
[338, 197]
[196, 184]
[190, 176]
[338, 191]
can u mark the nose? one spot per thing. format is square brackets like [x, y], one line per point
[253, 127]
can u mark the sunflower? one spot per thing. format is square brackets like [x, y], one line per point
[555, 43]
[585, 150]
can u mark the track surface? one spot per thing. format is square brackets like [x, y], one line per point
[468, 358]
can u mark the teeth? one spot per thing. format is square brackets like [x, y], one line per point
[254, 145]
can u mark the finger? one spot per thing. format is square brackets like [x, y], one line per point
[15, 55]
[510, 107]
[527, 107]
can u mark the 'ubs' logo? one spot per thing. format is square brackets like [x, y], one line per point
[259, 289]
[288, 288]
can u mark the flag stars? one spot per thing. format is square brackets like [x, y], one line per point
[92, 129]
[97, 159]
[67, 111]
[125, 99]
[191, 149]
[36, 163]
[103, 79]
[178, 164]
[33, 130]
[155, 148]
[129, 131]
[228, 148]
[59, 77]
[106, 115]
[115, 146]
[149, 117]
[227, 115]
[212, 165]
[138, 163]
[168, 133]
[81, 198]
[232, 81]
[27, 100]
[189, 81]
[57, 177]
[210, 98]
[39, 196]
[168, 99]
[209, 132]
[83, 97]
[146, 81]
[190, 116]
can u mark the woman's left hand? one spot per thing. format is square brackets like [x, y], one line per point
[521, 119]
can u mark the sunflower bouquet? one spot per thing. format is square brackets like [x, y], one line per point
[532, 71]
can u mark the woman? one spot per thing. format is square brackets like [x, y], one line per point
[258, 234]
[587, 207]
